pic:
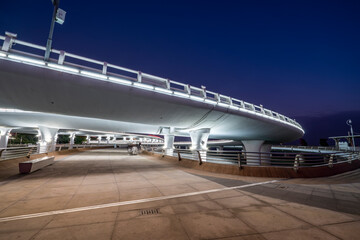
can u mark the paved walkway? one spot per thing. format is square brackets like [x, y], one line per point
[66, 201]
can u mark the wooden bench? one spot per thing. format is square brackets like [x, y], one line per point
[36, 164]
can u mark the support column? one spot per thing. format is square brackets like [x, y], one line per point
[265, 154]
[87, 139]
[72, 140]
[199, 140]
[169, 144]
[48, 139]
[257, 152]
[99, 139]
[169, 137]
[169, 141]
[4, 137]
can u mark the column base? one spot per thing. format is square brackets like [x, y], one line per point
[257, 152]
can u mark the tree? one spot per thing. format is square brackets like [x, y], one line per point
[22, 138]
[62, 139]
[79, 139]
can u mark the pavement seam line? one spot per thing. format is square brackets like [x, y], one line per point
[117, 186]
[72, 210]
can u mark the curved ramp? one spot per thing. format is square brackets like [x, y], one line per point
[131, 98]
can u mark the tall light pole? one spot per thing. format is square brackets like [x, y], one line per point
[348, 122]
[59, 17]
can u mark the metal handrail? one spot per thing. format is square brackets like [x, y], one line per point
[18, 152]
[306, 147]
[185, 90]
[293, 160]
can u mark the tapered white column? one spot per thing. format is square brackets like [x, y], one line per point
[4, 137]
[48, 136]
[169, 144]
[199, 138]
[72, 140]
[168, 140]
[257, 152]
[87, 139]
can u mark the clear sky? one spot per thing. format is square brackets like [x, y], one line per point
[300, 58]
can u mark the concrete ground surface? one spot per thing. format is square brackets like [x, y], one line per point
[178, 204]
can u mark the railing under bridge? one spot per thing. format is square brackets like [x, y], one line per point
[17, 152]
[293, 160]
[27, 151]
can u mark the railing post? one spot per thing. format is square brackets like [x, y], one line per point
[61, 57]
[104, 70]
[242, 104]
[29, 153]
[188, 90]
[262, 109]
[331, 161]
[203, 91]
[239, 160]
[199, 155]
[38, 148]
[350, 158]
[252, 107]
[296, 162]
[7, 44]
[139, 77]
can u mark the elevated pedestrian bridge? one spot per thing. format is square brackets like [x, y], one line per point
[71, 91]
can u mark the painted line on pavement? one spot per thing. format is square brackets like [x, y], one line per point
[107, 205]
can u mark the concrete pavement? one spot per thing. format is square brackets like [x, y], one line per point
[289, 209]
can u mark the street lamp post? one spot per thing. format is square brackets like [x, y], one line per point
[49, 41]
[348, 122]
[59, 17]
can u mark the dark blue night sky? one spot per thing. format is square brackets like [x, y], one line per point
[300, 58]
